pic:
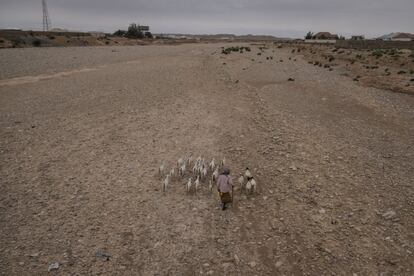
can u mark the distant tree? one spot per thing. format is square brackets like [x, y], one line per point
[120, 33]
[134, 31]
[341, 37]
[148, 35]
[309, 35]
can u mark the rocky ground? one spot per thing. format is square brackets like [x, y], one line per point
[391, 69]
[84, 130]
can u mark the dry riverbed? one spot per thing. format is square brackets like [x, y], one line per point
[84, 130]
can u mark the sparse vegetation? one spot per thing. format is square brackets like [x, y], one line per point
[377, 53]
[36, 43]
[120, 33]
[228, 50]
[309, 35]
[401, 72]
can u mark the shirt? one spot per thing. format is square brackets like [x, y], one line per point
[224, 183]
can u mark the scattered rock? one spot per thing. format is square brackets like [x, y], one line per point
[210, 272]
[53, 266]
[389, 215]
[252, 264]
[236, 259]
[291, 79]
[104, 256]
[278, 264]
[322, 211]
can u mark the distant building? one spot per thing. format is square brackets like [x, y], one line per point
[97, 34]
[325, 36]
[403, 37]
[397, 37]
[357, 37]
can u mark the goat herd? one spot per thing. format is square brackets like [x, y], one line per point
[199, 172]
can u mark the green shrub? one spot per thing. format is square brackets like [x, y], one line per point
[235, 49]
[36, 43]
[134, 31]
[377, 53]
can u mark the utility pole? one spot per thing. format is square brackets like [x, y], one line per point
[47, 24]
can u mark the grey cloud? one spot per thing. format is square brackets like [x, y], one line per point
[278, 17]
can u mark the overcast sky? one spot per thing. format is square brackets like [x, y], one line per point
[283, 18]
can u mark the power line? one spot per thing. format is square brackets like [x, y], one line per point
[47, 24]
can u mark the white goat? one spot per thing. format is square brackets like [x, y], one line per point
[189, 184]
[195, 168]
[251, 186]
[161, 168]
[210, 186]
[172, 173]
[204, 173]
[197, 184]
[248, 174]
[223, 162]
[180, 163]
[215, 175]
[241, 182]
[212, 164]
[182, 170]
[166, 183]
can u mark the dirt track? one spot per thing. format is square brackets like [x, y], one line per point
[83, 131]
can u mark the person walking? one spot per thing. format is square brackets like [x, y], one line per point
[225, 187]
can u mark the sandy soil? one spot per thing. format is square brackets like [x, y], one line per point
[84, 130]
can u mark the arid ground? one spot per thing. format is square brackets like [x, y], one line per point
[84, 130]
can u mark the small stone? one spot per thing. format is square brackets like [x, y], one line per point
[104, 256]
[389, 215]
[252, 264]
[210, 272]
[278, 264]
[53, 266]
[206, 264]
[322, 211]
[236, 259]
[21, 263]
